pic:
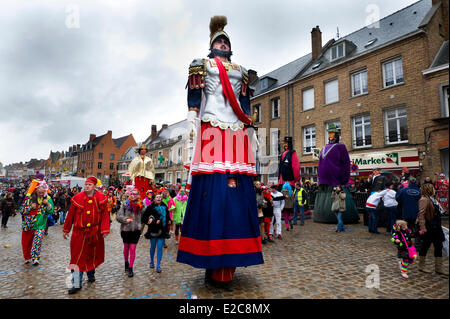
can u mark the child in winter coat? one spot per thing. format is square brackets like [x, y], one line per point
[267, 210]
[402, 237]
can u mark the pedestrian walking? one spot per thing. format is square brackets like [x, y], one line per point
[259, 205]
[178, 215]
[301, 203]
[390, 205]
[64, 204]
[402, 238]
[430, 229]
[338, 196]
[267, 210]
[129, 216]
[371, 208]
[288, 208]
[88, 219]
[157, 217]
[35, 211]
[111, 203]
[278, 205]
[409, 199]
[7, 208]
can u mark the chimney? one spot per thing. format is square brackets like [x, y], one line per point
[316, 42]
[154, 132]
[252, 76]
[164, 126]
[91, 137]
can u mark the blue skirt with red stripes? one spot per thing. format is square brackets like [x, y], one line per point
[220, 227]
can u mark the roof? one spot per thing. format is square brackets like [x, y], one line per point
[54, 156]
[393, 27]
[129, 154]
[441, 57]
[171, 132]
[119, 141]
[283, 74]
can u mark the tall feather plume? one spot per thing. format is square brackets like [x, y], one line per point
[217, 23]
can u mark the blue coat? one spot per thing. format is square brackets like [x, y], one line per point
[409, 197]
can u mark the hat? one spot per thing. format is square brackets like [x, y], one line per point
[143, 146]
[216, 26]
[333, 129]
[442, 175]
[274, 186]
[43, 184]
[92, 179]
[288, 139]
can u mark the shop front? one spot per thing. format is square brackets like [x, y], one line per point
[391, 163]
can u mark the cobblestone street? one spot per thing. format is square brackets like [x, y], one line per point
[309, 262]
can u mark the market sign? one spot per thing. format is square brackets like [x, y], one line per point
[388, 159]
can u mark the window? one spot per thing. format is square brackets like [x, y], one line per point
[331, 92]
[264, 84]
[359, 83]
[308, 99]
[99, 176]
[257, 109]
[338, 51]
[275, 108]
[337, 123]
[444, 100]
[99, 165]
[361, 131]
[111, 157]
[274, 137]
[100, 155]
[392, 72]
[178, 177]
[180, 155]
[396, 126]
[169, 177]
[309, 139]
[111, 165]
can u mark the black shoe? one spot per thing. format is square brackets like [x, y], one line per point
[270, 240]
[73, 290]
[287, 229]
[130, 272]
[126, 266]
[91, 279]
[263, 241]
[165, 246]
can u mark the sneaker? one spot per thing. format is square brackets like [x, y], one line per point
[152, 265]
[35, 262]
[404, 275]
[73, 290]
[27, 261]
[158, 269]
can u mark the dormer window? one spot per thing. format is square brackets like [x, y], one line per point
[264, 83]
[338, 51]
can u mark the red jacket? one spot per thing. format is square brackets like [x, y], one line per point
[90, 220]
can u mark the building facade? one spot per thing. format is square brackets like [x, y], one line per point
[379, 84]
[100, 155]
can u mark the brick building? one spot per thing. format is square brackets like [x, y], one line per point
[52, 165]
[99, 156]
[385, 86]
[69, 163]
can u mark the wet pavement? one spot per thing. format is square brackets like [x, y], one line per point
[310, 262]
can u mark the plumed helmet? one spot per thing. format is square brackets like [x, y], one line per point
[216, 26]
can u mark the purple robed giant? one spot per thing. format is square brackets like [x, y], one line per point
[334, 165]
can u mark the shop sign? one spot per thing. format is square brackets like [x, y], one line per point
[389, 159]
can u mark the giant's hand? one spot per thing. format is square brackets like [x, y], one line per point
[193, 122]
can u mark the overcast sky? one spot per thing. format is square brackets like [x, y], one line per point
[71, 68]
